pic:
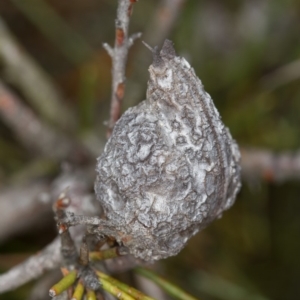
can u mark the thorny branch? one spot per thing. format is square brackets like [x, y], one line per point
[119, 58]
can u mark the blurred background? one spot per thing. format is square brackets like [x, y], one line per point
[55, 77]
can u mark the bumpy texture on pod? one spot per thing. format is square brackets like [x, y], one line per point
[170, 166]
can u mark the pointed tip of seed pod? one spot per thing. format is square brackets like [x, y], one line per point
[168, 51]
[158, 62]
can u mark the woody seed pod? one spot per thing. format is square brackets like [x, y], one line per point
[170, 166]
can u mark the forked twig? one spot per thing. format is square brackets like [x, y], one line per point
[119, 58]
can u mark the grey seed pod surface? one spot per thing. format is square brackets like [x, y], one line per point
[170, 166]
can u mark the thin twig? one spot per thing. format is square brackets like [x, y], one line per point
[119, 58]
[32, 268]
[264, 164]
[22, 71]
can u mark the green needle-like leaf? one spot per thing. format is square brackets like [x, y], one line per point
[124, 287]
[112, 289]
[90, 295]
[63, 284]
[170, 288]
[79, 290]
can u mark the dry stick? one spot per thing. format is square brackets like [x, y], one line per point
[23, 206]
[22, 71]
[68, 247]
[264, 164]
[32, 268]
[158, 29]
[78, 184]
[119, 58]
[32, 132]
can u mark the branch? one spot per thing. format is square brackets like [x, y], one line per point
[22, 71]
[119, 58]
[32, 268]
[23, 206]
[263, 164]
[33, 133]
[78, 185]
